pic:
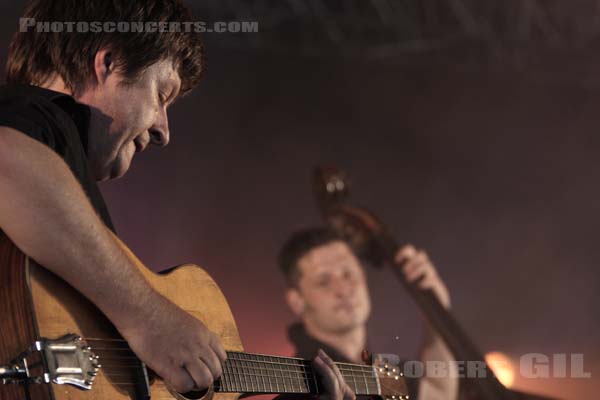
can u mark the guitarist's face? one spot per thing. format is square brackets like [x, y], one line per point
[332, 295]
[127, 117]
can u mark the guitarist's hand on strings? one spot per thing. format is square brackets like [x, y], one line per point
[331, 377]
[416, 266]
[177, 346]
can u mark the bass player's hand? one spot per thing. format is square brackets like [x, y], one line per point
[417, 267]
[177, 346]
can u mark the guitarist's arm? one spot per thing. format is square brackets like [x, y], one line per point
[45, 212]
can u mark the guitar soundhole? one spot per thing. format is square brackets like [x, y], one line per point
[207, 394]
[195, 395]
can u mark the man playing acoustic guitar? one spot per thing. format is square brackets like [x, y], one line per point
[327, 291]
[77, 108]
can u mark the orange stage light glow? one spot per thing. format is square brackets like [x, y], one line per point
[502, 367]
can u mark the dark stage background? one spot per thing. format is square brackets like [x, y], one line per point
[490, 165]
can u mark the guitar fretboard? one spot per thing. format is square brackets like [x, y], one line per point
[256, 373]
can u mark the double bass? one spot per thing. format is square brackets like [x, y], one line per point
[374, 242]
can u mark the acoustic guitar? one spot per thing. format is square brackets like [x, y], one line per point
[56, 345]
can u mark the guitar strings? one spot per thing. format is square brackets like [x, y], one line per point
[240, 372]
[242, 382]
[234, 373]
[241, 358]
[239, 375]
[261, 372]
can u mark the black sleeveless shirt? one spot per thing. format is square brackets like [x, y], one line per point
[61, 123]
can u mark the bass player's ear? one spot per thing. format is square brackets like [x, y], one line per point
[295, 301]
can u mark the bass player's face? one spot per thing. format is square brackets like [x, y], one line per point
[332, 294]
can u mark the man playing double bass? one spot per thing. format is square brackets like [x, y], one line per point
[327, 291]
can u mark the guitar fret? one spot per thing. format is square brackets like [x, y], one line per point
[262, 372]
[254, 378]
[235, 376]
[314, 376]
[301, 378]
[361, 373]
[262, 376]
[292, 377]
[357, 391]
[306, 381]
[284, 376]
[239, 375]
[227, 380]
[258, 374]
[366, 383]
[357, 376]
[248, 372]
[230, 377]
[305, 375]
[271, 374]
[267, 368]
[373, 383]
[278, 371]
[247, 377]
[274, 371]
[255, 373]
[298, 374]
[255, 387]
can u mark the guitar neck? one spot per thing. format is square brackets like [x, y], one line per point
[257, 373]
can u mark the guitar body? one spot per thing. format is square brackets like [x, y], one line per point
[35, 303]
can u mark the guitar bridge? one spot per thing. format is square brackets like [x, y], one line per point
[66, 360]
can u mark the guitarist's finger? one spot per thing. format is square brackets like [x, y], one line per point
[180, 380]
[348, 393]
[345, 390]
[332, 388]
[218, 348]
[213, 363]
[200, 373]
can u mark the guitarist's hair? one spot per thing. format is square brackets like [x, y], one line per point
[297, 245]
[38, 52]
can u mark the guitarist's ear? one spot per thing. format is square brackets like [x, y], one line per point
[295, 301]
[104, 65]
